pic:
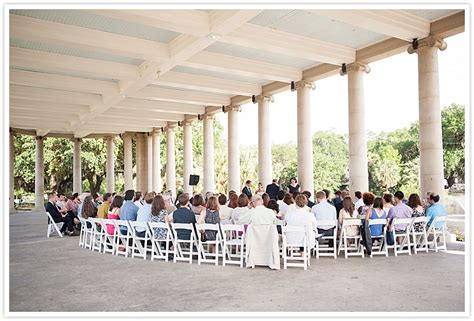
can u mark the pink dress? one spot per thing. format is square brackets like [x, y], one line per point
[110, 227]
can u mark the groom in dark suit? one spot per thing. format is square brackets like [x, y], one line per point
[272, 189]
[53, 210]
[246, 190]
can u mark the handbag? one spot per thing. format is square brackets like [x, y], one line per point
[389, 237]
[203, 236]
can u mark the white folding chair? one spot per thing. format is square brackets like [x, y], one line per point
[83, 235]
[233, 236]
[381, 247]
[291, 249]
[157, 250]
[180, 252]
[124, 235]
[53, 227]
[98, 234]
[325, 249]
[419, 239]
[401, 238]
[203, 254]
[109, 239]
[88, 233]
[357, 249]
[140, 243]
[437, 229]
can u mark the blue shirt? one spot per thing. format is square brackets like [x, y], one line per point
[128, 211]
[376, 230]
[433, 211]
[324, 211]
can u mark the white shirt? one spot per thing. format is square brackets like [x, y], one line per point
[138, 203]
[324, 211]
[61, 205]
[359, 203]
[143, 215]
[259, 215]
[282, 206]
[225, 212]
[236, 212]
[299, 217]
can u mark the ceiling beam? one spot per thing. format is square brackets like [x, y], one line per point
[191, 22]
[399, 24]
[181, 96]
[114, 112]
[243, 67]
[51, 62]
[163, 106]
[50, 106]
[207, 84]
[267, 39]
[44, 80]
[449, 26]
[39, 30]
[53, 95]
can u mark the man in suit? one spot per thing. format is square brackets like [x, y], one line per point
[53, 210]
[273, 189]
[246, 190]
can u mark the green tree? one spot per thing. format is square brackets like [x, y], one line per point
[453, 143]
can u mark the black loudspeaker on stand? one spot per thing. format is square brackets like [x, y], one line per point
[193, 180]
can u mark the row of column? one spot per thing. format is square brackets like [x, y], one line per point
[148, 145]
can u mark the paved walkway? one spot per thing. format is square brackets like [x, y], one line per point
[56, 275]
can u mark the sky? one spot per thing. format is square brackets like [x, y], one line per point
[391, 97]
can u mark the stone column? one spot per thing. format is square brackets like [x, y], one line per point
[233, 149]
[431, 138]
[127, 161]
[12, 177]
[77, 170]
[170, 160]
[187, 155]
[149, 158]
[110, 165]
[358, 168]
[304, 137]
[156, 162]
[142, 163]
[208, 154]
[265, 171]
[39, 176]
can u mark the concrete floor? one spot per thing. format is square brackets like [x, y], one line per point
[56, 275]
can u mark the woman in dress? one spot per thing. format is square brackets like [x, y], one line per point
[243, 207]
[198, 207]
[346, 213]
[260, 190]
[114, 212]
[294, 187]
[377, 212]
[299, 216]
[266, 199]
[414, 202]
[159, 214]
[211, 217]
[387, 202]
[233, 201]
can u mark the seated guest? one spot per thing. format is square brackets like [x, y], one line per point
[299, 216]
[348, 212]
[328, 196]
[103, 209]
[339, 205]
[273, 189]
[260, 189]
[265, 199]
[211, 217]
[368, 199]
[168, 197]
[97, 199]
[414, 202]
[259, 214]
[233, 201]
[376, 213]
[387, 202]
[198, 207]
[337, 198]
[434, 210]
[225, 211]
[359, 202]
[246, 190]
[280, 196]
[427, 201]
[67, 220]
[82, 197]
[183, 215]
[293, 187]
[129, 210]
[138, 199]
[144, 213]
[273, 205]
[308, 196]
[61, 203]
[287, 202]
[73, 203]
[159, 214]
[243, 203]
[324, 211]
[400, 210]
[114, 213]
[89, 209]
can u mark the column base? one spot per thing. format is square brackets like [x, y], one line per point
[13, 210]
[39, 209]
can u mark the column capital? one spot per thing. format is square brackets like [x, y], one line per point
[186, 122]
[237, 108]
[305, 84]
[39, 137]
[354, 67]
[431, 41]
[76, 139]
[207, 116]
[171, 125]
[156, 132]
[264, 97]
